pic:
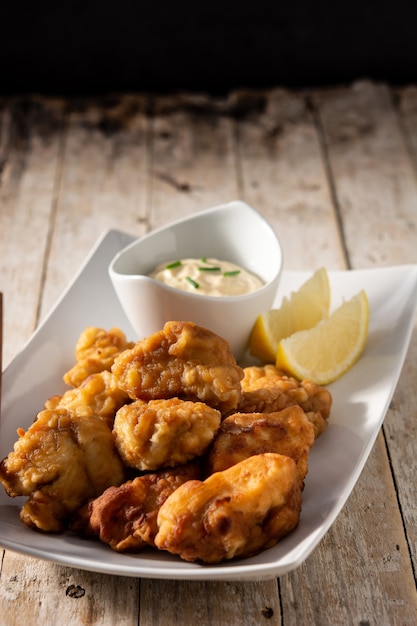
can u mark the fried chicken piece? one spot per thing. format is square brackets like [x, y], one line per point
[60, 462]
[97, 395]
[125, 517]
[241, 435]
[266, 390]
[164, 433]
[234, 513]
[182, 360]
[95, 352]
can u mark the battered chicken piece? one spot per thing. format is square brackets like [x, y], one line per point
[266, 390]
[241, 435]
[182, 360]
[125, 517]
[164, 433]
[97, 395]
[95, 352]
[60, 462]
[234, 513]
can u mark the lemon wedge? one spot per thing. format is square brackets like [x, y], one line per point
[324, 353]
[303, 309]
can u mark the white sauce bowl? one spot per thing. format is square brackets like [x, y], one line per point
[233, 232]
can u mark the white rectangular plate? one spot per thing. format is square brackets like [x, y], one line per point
[361, 399]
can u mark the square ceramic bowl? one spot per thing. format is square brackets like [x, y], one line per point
[231, 232]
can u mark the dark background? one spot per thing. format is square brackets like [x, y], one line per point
[93, 47]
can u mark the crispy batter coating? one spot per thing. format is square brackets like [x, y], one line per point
[234, 513]
[125, 517]
[60, 462]
[182, 360]
[241, 435]
[95, 351]
[266, 390]
[157, 406]
[164, 433]
[97, 395]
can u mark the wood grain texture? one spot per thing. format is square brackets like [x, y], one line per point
[362, 566]
[353, 547]
[407, 105]
[210, 603]
[30, 148]
[37, 592]
[400, 429]
[283, 174]
[373, 175]
[192, 159]
[334, 171]
[102, 182]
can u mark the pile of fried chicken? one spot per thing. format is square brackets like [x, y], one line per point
[168, 442]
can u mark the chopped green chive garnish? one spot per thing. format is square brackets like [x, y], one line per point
[209, 263]
[210, 269]
[192, 282]
[171, 266]
[232, 273]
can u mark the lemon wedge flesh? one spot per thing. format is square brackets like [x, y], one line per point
[303, 309]
[324, 353]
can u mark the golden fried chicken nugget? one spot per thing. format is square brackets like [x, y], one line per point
[182, 360]
[97, 395]
[241, 435]
[234, 513]
[95, 351]
[164, 433]
[266, 390]
[125, 517]
[60, 462]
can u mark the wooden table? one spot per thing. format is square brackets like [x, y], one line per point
[335, 172]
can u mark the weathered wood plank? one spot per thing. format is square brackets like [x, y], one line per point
[102, 183]
[361, 568]
[366, 548]
[381, 155]
[407, 106]
[400, 426]
[36, 592]
[30, 149]
[193, 160]
[284, 176]
[210, 603]
[373, 175]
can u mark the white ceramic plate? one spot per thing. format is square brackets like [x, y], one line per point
[361, 399]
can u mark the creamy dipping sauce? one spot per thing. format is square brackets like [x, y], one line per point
[209, 277]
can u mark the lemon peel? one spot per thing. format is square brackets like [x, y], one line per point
[325, 352]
